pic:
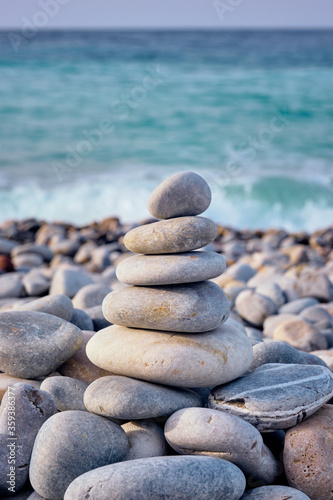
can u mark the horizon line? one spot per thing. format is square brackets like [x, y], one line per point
[176, 28]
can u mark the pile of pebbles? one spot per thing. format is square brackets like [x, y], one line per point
[136, 365]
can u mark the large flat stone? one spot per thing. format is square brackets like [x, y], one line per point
[196, 307]
[195, 478]
[182, 234]
[171, 269]
[275, 396]
[181, 360]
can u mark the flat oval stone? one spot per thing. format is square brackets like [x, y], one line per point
[56, 305]
[308, 455]
[171, 269]
[186, 193]
[67, 392]
[197, 478]
[203, 431]
[253, 307]
[33, 344]
[129, 399]
[146, 439]
[301, 335]
[299, 391]
[90, 296]
[197, 307]
[69, 444]
[276, 352]
[32, 408]
[274, 493]
[198, 360]
[182, 234]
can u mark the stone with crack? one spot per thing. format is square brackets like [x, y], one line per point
[24, 409]
[275, 396]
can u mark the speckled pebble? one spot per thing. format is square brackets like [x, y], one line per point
[182, 234]
[184, 193]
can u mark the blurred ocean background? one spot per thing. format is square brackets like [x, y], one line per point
[252, 111]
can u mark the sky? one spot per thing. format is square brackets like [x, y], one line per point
[167, 13]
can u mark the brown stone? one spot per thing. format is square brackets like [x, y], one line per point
[308, 455]
[80, 367]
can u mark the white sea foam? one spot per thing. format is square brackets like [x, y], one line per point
[290, 203]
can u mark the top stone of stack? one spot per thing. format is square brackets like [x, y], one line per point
[180, 195]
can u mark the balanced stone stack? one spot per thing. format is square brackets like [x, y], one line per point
[170, 325]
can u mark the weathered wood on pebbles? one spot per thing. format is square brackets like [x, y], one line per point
[171, 236]
[197, 478]
[194, 307]
[299, 391]
[181, 360]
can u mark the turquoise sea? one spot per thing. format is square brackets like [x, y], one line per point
[92, 121]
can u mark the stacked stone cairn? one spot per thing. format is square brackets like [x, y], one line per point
[174, 400]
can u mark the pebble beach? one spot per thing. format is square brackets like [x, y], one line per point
[171, 358]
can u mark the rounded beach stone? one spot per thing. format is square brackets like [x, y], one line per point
[79, 366]
[296, 306]
[171, 236]
[308, 455]
[96, 315]
[272, 291]
[69, 281]
[272, 322]
[35, 283]
[326, 356]
[56, 305]
[129, 399]
[196, 307]
[254, 307]
[30, 408]
[10, 285]
[146, 439]
[90, 296]
[67, 392]
[278, 352]
[33, 344]
[186, 193]
[203, 431]
[69, 444]
[318, 317]
[170, 269]
[299, 391]
[301, 335]
[198, 478]
[27, 260]
[82, 320]
[182, 360]
[274, 493]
